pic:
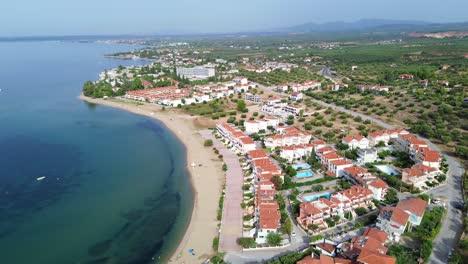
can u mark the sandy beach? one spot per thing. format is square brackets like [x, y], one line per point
[206, 179]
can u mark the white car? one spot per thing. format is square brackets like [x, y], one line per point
[293, 233]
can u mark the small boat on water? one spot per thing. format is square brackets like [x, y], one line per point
[40, 178]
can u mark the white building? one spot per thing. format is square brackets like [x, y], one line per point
[367, 155]
[357, 141]
[296, 96]
[197, 72]
[252, 97]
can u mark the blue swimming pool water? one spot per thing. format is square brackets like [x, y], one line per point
[387, 169]
[313, 197]
[303, 166]
[304, 174]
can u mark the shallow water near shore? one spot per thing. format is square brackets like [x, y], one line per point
[81, 183]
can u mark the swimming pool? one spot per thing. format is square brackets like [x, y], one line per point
[304, 174]
[387, 169]
[302, 166]
[313, 197]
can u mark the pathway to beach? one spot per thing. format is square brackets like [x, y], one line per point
[231, 224]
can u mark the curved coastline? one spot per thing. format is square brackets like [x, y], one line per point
[206, 180]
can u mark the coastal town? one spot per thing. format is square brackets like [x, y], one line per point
[311, 179]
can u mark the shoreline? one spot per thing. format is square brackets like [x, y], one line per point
[206, 180]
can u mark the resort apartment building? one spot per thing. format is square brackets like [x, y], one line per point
[418, 175]
[238, 139]
[254, 126]
[288, 137]
[361, 176]
[419, 150]
[357, 141]
[252, 97]
[385, 136]
[197, 72]
[296, 152]
[315, 212]
[281, 109]
[169, 96]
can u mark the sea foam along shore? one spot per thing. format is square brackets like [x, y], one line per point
[206, 179]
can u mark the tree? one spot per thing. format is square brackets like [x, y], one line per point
[208, 143]
[273, 239]
[391, 196]
[246, 242]
[360, 211]
[241, 106]
[287, 226]
[277, 181]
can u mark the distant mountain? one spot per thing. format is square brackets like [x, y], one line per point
[376, 25]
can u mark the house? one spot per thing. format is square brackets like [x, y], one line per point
[296, 96]
[406, 76]
[325, 159]
[326, 249]
[418, 174]
[268, 220]
[240, 80]
[393, 221]
[379, 189]
[373, 257]
[358, 175]
[292, 110]
[367, 155]
[322, 151]
[337, 167]
[318, 144]
[415, 207]
[252, 97]
[310, 214]
[372, 239]
[424, 82]
[283, 87]
[357, 141]
[428, 157]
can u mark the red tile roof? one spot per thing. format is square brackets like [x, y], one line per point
[396, 215]
[416, 206]
[378, 184]
[257, 154]
[369, 257]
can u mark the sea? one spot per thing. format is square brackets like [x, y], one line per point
[82, 183]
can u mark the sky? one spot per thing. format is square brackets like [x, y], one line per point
[95, 17]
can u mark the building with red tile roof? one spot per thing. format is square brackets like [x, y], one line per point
[415, 207]
[393, 221]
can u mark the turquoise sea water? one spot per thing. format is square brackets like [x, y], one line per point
[115, 189]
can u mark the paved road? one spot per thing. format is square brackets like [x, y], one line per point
[231, 223]
[452, 225]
